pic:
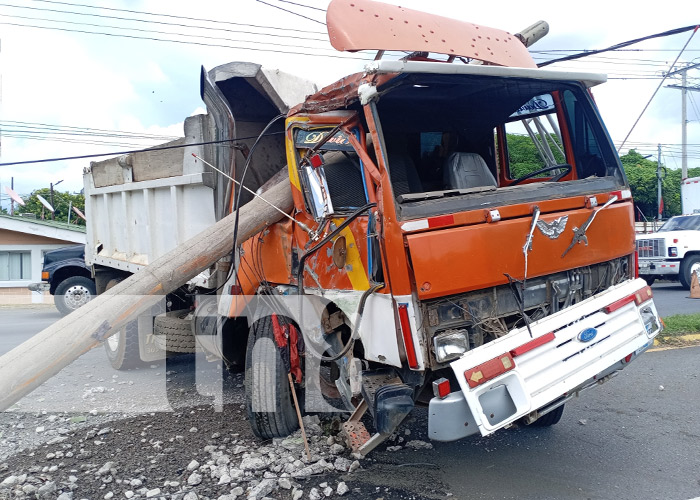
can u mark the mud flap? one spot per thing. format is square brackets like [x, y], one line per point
[148, 350]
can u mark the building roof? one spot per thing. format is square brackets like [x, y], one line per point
[46, 228]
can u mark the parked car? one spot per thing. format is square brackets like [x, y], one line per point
[69, 279]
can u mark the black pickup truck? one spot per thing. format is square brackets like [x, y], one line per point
[70, 280]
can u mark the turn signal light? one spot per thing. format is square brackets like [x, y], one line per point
[45, 275]
[489, 370]
[639, 297]
[441, 388]
[407, 336]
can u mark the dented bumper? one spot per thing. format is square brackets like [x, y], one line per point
[573, 349]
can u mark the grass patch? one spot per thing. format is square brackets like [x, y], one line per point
[677, 326]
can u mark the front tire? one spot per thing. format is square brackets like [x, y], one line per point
[690, 265]
[269, 403]
[549, 419]
[649, 279]
[72, 293]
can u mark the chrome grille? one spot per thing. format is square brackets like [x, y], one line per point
[654, 247]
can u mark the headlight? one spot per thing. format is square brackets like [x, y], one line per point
[650, 322]
[673, 251]
[451, 345]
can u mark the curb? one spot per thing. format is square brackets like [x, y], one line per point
[689, 337]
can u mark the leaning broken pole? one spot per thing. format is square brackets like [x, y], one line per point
[30, 364]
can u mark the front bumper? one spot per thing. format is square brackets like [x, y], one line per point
[659, 267]
[38, 287]
[566, 364]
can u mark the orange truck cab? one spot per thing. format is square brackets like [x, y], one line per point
[465, 219]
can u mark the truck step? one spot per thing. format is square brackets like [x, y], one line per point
[356, 435]
[373, 380]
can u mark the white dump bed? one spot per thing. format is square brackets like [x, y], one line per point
[143, 205]
[690, 195]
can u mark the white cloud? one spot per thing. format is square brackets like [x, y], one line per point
[149, 87]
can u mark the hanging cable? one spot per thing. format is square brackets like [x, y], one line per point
[657, 89]
[620, 45]
[133, 151]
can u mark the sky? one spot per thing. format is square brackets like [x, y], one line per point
[66, 92]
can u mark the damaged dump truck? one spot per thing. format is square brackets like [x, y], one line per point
[442, 269]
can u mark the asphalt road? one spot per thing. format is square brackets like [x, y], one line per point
[18, 324]
[634, 437]
[670, 299]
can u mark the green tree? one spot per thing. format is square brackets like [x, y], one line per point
[641, 175]
[523, 156]
[62, 201]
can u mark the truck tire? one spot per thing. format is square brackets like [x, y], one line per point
[649, 279]
[690, 265]
[549, 419]
[269, 403]
[72, 293]
[122, 348]
[173, 333]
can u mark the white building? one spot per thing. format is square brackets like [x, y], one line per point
[23, 242]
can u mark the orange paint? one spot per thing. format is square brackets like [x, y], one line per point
[475, 257]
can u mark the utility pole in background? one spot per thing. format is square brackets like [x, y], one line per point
[684, 114]
[659, 197]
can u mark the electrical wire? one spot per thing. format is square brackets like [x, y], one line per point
[290, 12]
[118, 153]
[184, 42]
[657, 88]
[621, 45]
[188, 35]
[84, 130]
[187, 18]
[302, 5]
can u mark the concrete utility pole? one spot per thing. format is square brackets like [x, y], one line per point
[659, 197]
[684, 114]
[53, 214]
[36, 360]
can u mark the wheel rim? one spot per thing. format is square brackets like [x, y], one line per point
[77, 296]
[694, 269]
[113, 342]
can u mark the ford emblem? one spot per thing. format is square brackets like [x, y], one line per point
[587, 335]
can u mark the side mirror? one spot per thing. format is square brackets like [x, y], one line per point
[317, 191]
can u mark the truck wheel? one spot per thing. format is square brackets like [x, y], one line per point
[690, 265]
[72, 293]
[123, 347]
[649, 279]
[269, 403]
[173, 333]
[551, 418]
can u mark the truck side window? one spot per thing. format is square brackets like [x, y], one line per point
[591, 160]
[341, 173]
[533, 139]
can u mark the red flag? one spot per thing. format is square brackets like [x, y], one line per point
[661, 206]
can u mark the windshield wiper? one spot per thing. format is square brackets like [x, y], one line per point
[580, 233]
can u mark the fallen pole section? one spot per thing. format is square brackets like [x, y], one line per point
[30, 364]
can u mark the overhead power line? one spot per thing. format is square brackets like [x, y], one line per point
[150, 21]
[133, 151]
[74, 130]
[302, 5]
[620, 45]
[188, 35]
[185, 42]
[291, 12]
[173, 16]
